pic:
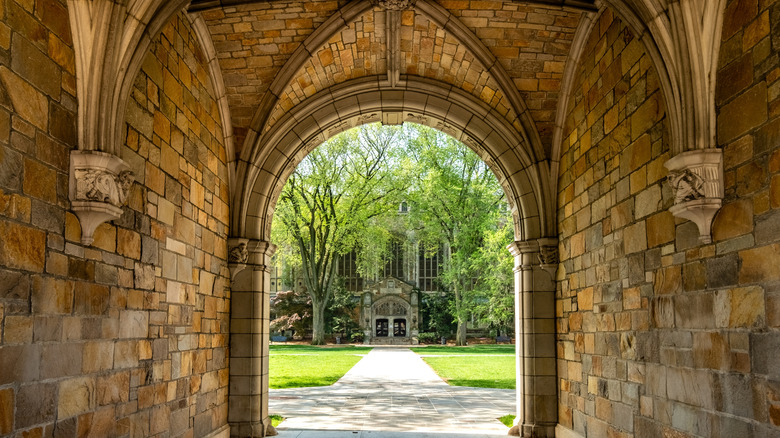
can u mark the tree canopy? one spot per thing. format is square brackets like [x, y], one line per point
[344, 197]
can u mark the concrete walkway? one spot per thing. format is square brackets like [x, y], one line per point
[391, 393]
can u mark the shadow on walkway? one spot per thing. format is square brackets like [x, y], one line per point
[391, 393]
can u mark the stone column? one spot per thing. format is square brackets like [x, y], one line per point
[250, 269]
[537, 401]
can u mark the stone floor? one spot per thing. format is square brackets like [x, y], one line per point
[391, 393]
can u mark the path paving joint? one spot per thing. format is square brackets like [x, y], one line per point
[391, 393]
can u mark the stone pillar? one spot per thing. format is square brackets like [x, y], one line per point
[537, 396]
[250, 270]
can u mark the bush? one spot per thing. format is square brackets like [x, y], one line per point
[356, 338]
[429, 338]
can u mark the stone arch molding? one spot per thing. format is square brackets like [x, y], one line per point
[110, 41]
[353, 11]
[524, 178]
[682, 39]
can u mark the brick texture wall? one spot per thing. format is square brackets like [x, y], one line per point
[128, 336]
[660, 335]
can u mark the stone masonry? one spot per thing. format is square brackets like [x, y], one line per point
[659, 335]
[128, 336]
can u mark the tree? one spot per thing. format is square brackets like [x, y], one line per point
[329, 202]
[456, 200]
[293, 310]
[495, 284]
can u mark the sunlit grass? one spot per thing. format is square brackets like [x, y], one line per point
[508, 420]
[297, 366]
[478, 366]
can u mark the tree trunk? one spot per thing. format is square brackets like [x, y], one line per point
[318, 323]
[460, 337]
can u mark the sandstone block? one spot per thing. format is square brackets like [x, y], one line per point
[61, 360]
[760, 264]
[7, 402]
[635, 238]
[52, 296]
[733, 219]
[690, 386]
[97, 356]
[125, 354]
[128, 243]
[22, 247]
[144, 276]
[76, 396]
[28, 103]
[113, 389]
[35, 404]
[133, 324]
[694, 311]
[722, 271]
[740, 307]
[660, 229]
[744, 113]
[91, 299]
[105, 237]
[711, 350]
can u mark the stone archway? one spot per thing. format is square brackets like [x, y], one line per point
[524, 177]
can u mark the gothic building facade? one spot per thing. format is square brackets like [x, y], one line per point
[144, 144]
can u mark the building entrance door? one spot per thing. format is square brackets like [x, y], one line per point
[381, 327]
[399, 327]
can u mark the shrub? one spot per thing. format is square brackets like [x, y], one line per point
[428, 338]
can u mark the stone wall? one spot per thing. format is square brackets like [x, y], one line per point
[128, 336]
[660, 335]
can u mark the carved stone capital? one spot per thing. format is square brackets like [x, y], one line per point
[243, 252]
[394, 5]
[99, 186]
[541, 253]
[696, 177]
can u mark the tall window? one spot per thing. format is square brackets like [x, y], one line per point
[395, 264]
[347, 270]
[429, 271]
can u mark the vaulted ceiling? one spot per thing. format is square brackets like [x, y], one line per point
[508, 54]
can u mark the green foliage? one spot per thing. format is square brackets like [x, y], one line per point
[293, 310]
[276, 420]
[340, 317]
[428, 338]
[456, 200]
[331, 200]
[297, 366]
[436, 315]
[508, 420]
[495, 284]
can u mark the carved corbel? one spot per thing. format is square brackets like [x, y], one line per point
[697, 180]
[238, 255]
[99, 186]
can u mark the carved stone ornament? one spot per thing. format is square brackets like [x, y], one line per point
[548, 255]
[238, 254]
[697, 180]
[394, 5]
[99, 187]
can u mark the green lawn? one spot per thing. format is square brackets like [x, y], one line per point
[296, 366]
[478, 366]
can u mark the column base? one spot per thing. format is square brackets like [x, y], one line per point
[532, 431]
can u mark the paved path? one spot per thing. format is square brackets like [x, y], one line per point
[391, 393]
